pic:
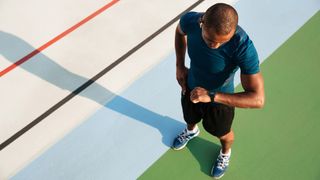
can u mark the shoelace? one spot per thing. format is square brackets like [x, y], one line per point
[223, 161]
[183, 136]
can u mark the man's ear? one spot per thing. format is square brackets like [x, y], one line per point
[201, 22]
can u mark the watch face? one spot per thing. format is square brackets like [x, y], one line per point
[211, 93]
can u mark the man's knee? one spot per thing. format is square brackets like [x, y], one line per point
[229, 137]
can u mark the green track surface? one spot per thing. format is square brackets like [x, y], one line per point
[280, 141]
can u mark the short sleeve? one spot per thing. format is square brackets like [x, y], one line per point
[247, 57]
[185, 22]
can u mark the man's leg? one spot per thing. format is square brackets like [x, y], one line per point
[192, 117]
[217, 121]
[222, 161]
[191, 126]
[226, 142]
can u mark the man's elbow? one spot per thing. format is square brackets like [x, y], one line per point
[260, 102]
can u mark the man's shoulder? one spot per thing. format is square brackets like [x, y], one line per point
[240, 36]
[190, 20]
[192, 16]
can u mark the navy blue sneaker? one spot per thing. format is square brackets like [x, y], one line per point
[182, 139]
[220, 166]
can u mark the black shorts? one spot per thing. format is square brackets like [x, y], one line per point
[216, 118]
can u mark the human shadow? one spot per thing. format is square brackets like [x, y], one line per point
[205, 152]
[14, 48]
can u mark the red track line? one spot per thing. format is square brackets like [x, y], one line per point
[57, 38]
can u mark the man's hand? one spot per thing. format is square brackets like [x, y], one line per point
[181, 75]
[199, 94]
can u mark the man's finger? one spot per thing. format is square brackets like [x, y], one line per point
[195, 101]
[193, 97]
[192, 93]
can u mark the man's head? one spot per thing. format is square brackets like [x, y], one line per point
[218, 24]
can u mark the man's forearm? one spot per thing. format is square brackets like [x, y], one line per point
[241, 100]
[252, 97]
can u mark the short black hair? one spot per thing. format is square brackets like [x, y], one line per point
[221, 18]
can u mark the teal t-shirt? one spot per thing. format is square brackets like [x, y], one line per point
[214, 69]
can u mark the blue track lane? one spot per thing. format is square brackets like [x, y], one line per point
[121, 139]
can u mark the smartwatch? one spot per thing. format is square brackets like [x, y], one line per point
[212, 94]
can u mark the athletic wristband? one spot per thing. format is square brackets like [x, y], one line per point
[212, 95]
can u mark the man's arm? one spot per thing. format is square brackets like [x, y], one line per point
[180, 48]
[252, 97]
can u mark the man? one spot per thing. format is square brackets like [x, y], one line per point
[217, 47]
